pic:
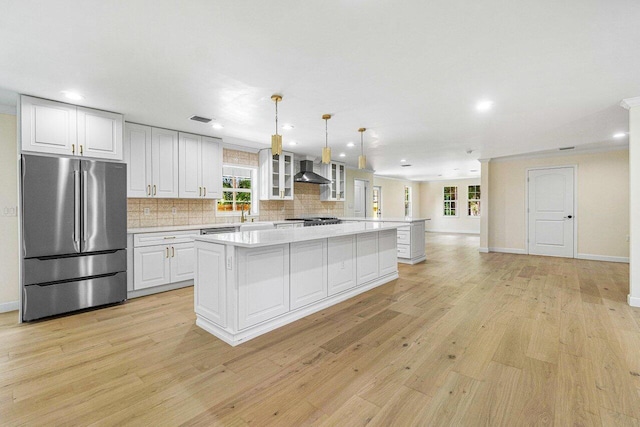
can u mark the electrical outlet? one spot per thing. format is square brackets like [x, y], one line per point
[147, 211]
[10, 211]
[174, 211]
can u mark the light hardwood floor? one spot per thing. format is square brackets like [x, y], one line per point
[465, 339]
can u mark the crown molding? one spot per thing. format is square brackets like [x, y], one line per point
[628, 103]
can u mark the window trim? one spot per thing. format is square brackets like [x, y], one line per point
[457, 200]
[479, 190]
[255, 201]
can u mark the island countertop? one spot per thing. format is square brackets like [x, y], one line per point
[261, 238]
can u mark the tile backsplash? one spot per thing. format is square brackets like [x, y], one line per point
[148, 212]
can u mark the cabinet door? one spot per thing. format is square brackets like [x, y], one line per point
[263, 284]
[48, 126]
[211, 168]
[211, 283]
[308, 272]
[367, 257]
[190, 166]
[137, 151]
[387, 252]
[342, 263]
[151, 267]
[99, 134]
[341, 182]
[182, 262]
[286, 175]
[164, 163]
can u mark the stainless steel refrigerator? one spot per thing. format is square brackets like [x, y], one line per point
[74, 235]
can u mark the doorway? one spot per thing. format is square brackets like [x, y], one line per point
[360, 187]
[551, 211]
[377, 201]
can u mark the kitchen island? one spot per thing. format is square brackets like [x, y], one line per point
[249, 283]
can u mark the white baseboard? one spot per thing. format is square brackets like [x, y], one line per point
[453, 232]
[9, 306]
[633, 301]
[509, 251]
[483, 250]
[603, 258]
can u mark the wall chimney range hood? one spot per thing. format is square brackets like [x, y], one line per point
[307, 174]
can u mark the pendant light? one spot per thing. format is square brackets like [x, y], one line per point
[326, 151]
[362, 159]
[276, 140]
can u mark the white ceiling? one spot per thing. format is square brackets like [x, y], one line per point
[409, 71]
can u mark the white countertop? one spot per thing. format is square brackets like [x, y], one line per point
[259, 238]
[398, 219]
[197, 226]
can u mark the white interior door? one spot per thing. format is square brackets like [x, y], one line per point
[359, 198]
[551, 212]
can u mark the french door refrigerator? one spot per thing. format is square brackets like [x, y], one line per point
[74, 235]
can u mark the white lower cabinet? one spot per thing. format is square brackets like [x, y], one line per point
[182, 262]
[263, 284]
[341, 253]
[151, 267]
[387, 252]
[367, 257]
[211, 296]
[308, 272]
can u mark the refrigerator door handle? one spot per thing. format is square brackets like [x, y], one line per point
[76, 210]
[85, 213]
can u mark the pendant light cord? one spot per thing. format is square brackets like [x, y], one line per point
[276, 117]
[326, 133]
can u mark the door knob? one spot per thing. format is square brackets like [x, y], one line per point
[568, 217]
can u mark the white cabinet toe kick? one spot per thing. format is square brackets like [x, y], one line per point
[243, 291]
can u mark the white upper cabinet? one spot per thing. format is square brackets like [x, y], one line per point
[59, 128]
[200, 167]
[152, 158]
[99, 133]
[276, 175]
[335, 192]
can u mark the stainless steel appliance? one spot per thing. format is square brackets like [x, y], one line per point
[310, 222]
[218, 230]
[74, 235]
[307, 174]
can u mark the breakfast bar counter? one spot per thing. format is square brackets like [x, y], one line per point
[249, 283]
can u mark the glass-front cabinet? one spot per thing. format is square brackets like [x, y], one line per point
[336, 172]
[276, 175]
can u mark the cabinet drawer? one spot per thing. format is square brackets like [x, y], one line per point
[164, 238]
[404, 237]
[404, 251]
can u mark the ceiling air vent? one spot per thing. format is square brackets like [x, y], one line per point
[200, 119]
[566, 148]
[405, 166]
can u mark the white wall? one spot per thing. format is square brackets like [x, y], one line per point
[8, 225]
[393, 196]
[603, 202]
[432, 206]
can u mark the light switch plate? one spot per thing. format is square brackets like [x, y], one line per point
[174, 211]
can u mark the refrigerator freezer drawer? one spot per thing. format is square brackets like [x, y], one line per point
[56, 269]
[48, 300]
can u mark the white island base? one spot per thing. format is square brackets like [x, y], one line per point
[250, 283]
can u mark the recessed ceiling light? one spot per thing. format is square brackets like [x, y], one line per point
[342, 155]
[350, 144]
[217, 126]
[75, 96]
[620, 135]
[287, 127]
[484, 105]
[293, 143]
[456, 169]
[403, 160]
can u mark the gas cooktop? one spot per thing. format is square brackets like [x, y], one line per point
[312, 221]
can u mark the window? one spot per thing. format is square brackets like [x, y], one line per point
[473, 204]
[450, 201]
[407, 201]
[238, 191]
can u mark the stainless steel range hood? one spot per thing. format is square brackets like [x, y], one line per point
[307, 174]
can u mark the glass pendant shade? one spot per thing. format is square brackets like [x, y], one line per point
[362, 162]
[362, 159]
[326, 155]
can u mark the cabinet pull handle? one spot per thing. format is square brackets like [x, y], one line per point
[173, 252]
[81, 151]
[169, 237]
[167, 256]
[73, 148]
[149, 190]
[199, 191]
[205, 191]
[154, 189]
